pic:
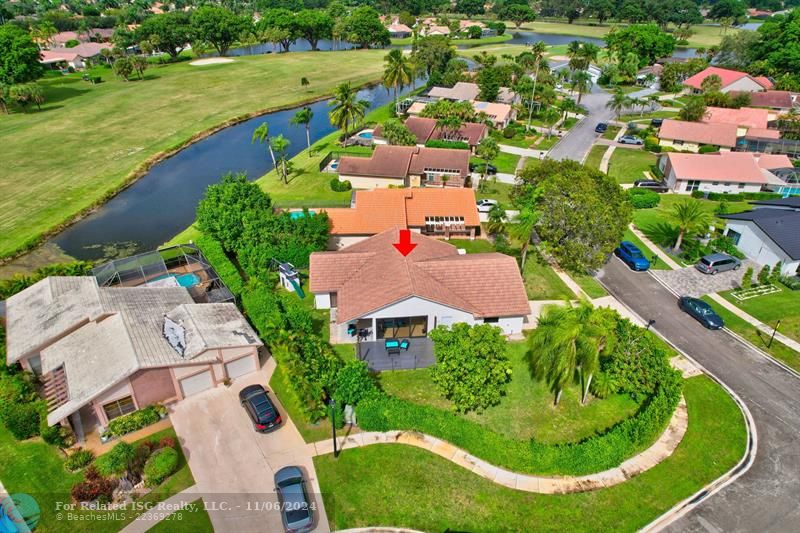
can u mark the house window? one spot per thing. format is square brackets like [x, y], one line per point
[677, 142]
[741, 185]
[120, 407]
[692, 185]
[716, 183]
[491, 320]
[734, 236]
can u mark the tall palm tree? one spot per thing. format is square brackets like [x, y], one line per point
[618, 102]
[538, 49]
[303, 117]
[347, 108]
[581, 83]
[549, 359]
[261, 134]
[397, 72]
[567, 106]
[524, 229]
[573, 53]
[281, 146]
[690, 217]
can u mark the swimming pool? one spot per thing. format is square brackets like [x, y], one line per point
[300, 214]
[334, 165]
[184, 280]
[365, 135]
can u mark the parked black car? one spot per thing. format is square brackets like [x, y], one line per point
[657, 122]
[701, 311]
[260, 409]
[296, 511]
[478, 167]
[653, 185]
[601, 127]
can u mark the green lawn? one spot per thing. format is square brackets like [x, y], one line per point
[589, 285]
[637, 117]
[416, 489]
[595, 156]
[478, 246]
[527, 411]
[783, 306]
[519, 140]
[611, 132]
[496, 190]
[757, 338]
[90, 138]
[191, 519]
[36, 468]
[541, 282]
[627, 165]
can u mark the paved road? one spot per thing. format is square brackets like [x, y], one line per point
[766, 497]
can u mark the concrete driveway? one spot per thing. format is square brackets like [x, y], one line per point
[691, 282]
[233, 465]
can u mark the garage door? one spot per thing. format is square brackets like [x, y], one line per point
[197, 383]
[240, 367]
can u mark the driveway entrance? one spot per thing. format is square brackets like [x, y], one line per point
[691, 282]
[233, 465]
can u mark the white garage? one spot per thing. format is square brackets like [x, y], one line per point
[241, 366]
[197, 383]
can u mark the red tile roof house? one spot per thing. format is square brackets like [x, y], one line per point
[438, 212]
[370, 285]
[399, 31]
[690, 136]
[748, 120]
[406, 166]
[425, 129]
[777, 101]
[77, 57]
[732, 80]
[723, 172]
[107, 351]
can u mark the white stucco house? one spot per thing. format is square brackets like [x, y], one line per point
[372, 286]
[721, 172]
[769, 234]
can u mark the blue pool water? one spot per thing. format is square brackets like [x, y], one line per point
[184, 280]
[299, 214]
[365, 135]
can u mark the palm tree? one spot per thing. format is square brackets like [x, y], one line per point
[581, 82]
[281, 146]
[573, 53]
[538, 49]
[261, 134]
[653, 101]
[618, 102]
[497, 220]
[589, 53]
[304, 117]
[487, 150]
[347, 109]
[549, 359]
[449, 125]
[690, 217]
[524, 229]
[398, 71]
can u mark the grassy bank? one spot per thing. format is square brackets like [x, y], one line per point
[495, 39]
[422, 491]
[89, 140]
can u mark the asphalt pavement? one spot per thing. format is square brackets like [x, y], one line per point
[767, 497]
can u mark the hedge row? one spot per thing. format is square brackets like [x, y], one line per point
[132, 422]
[453, 145]
[20, 282]
[594, 454]
[737, 197]
[224, 267]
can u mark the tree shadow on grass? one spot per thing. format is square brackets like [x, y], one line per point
[661, 233]
[61, 93]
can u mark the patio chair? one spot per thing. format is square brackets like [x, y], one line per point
[404, 344]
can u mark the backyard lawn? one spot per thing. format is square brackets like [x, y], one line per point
[595, 156]
[527, 411]
[191, 519]
[761, 340]
[496, 190]
[90, 138]
[541, 282]
[419, 490]
[783, 306]
[628, 165]
[506, 163]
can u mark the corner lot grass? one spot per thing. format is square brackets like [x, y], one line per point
[628, 165]
[88, 139]
[748, 331]
[589, 285]
[408, 487]
[496, 190]
[541, 282]
[783, 306]
[595, 156]
[527, 411]
[36, 468]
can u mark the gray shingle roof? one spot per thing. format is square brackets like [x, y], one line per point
[792, 202]
[780, 225]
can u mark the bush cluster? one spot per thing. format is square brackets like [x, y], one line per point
[643, 198]
[22, 419]
[78, 459]
[651, 144]
[20, 282]
[133, 421]
[708, 149]
[94, 487]
[340, 186]
[159, 466]
[453, 145]
[737, 197]
[215, 254]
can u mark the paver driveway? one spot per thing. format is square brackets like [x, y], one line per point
[691, 282]
[233, 465]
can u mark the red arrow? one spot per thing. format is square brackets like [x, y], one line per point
[405, 246]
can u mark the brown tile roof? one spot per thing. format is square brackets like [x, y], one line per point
[699, 132]
[381, 209]
[749, 117]
[473, 132]
[776, 99]
[371, 275]
[399, 161]
[424, 129]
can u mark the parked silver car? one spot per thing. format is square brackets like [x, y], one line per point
[714, 263]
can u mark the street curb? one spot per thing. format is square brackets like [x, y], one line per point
[685, 506]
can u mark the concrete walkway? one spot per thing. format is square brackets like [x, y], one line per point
[606, 159]
[660, 450]
[783, 339]
[162, 510]
[655, 248]
[524, 152]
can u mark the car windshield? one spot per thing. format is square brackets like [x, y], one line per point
[704, 310]
[635, 252]
[705, 261]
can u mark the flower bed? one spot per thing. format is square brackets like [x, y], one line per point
[132, 422]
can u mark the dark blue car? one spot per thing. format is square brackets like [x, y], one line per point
[632, 256]
[701, 311]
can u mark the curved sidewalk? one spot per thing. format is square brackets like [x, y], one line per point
[660, 450]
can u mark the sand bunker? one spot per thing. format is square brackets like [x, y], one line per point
[211, 61]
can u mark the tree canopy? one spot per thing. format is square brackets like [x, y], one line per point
[168, 32]
[647, 41]
[778, 50]
[219, 26]
[364, 28]
[19, 56]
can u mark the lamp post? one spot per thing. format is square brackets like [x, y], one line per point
[650, 323]
[332, 405]
[654, 260]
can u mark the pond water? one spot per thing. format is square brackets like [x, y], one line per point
[162, 203]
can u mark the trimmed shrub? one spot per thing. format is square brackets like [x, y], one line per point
[641, 198]
[78, 459]
[792, 282]
[167, 442]
[95, 486]
[747, 279]
[651, 144]
[213, 251]
[16, 386]
[117, 461]
[764, 275]
[725, 245]
[708, 149]
[56, 435]
[775, 275]
[453, 145]
[133, 421]
[162, 464]
[19, 282]
[509, 132]
[340, 186]
[22, 419]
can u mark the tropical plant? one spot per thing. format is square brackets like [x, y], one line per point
[261, 135]
[487, 150]
[303, 117]
[397, 72]
[497, 220]
[580, 82]
[693, 110]
[524, 230]
[280, 145]
[690, 216]
[619, 101]
[347, 108]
